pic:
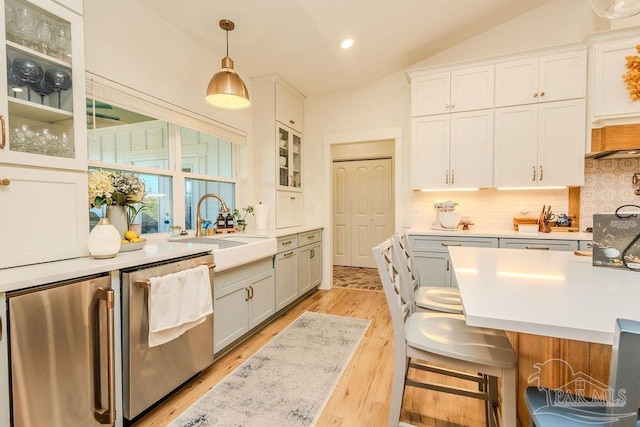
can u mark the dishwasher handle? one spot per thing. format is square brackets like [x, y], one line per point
[104, 415]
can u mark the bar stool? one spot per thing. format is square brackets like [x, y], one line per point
[425, 339]
[436, 298]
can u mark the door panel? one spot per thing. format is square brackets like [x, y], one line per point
[363, 209]
[341, 218]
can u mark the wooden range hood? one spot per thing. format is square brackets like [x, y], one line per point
[615, 141]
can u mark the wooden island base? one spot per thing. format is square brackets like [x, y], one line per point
[565, 359]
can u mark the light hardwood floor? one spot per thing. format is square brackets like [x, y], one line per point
[361, 397]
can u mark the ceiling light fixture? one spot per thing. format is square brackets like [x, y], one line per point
[616, 9]
[226, 89]
[346, 43]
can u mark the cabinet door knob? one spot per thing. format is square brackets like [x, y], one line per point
[541, 93]
[5, 182]
[3, 141]
[293, 122]
[535, 94]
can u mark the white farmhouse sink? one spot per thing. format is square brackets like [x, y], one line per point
[231, 251]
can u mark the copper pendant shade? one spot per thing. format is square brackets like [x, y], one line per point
[226, 89]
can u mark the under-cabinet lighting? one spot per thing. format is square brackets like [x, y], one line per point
[16, 89]
[427, 190]
[559, 187]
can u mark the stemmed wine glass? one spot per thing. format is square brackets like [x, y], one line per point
[42, 88]
[28, 71]
[58, 80]
[14, 82]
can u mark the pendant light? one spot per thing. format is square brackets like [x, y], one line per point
[616, 9]
[226, 89]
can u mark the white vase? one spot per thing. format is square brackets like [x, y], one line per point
[117, 216]
[104, 240]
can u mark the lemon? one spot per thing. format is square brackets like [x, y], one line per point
[130, 235]
[124, 241]
[136, 240]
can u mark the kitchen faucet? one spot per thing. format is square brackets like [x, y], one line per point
[223, 206]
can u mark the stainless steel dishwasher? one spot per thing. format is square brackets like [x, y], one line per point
[151, 373]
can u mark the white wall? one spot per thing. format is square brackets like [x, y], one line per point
[386, 104]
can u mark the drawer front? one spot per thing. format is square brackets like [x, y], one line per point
[540, 244]
[441, 244]
[585, 245]
[286, 243]
[309, 237]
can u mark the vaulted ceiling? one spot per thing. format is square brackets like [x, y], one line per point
[300, 38]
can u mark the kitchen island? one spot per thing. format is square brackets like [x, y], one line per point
[558, 310]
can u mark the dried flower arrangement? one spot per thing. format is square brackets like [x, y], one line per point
[632, 76]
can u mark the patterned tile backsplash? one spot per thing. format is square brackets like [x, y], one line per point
[607, 185]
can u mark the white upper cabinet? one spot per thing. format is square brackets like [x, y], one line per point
[289, 109]
[452, 151]
[44, 117]
[540, 145]
[452, 91]
[545, 78]
[610, 97]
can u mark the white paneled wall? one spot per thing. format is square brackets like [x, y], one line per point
[488, 208]
[607, 185]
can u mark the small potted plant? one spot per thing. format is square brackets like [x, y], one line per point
[241, 218]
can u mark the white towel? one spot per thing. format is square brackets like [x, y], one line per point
[177, 303]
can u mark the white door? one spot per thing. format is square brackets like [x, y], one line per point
[362, 209]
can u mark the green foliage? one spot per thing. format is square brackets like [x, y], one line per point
[242, 216]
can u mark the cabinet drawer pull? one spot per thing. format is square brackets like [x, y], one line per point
[3, 123]
[451, 244]
[311, 237]
[538, 248]
[248, 297]
[446, 177]
[288, 254]
[4, 182]
[287, 243]
[292, 198]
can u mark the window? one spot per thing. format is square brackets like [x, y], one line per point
[121, 139]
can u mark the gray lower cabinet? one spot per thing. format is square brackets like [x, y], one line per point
[309, 261]
[243, 298]
[286, 271]
[298, 266]
[431, 257]
[540, 244]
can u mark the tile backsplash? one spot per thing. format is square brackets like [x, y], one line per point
[487, 208]
[607, 185]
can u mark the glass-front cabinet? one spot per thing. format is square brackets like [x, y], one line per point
[43, 108]
[289, 158]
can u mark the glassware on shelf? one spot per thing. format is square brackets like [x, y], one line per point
[42, 88]
[14, 82]
[28, 71]
[43, 33]
[61, 39]
[39, 139]
[58, 80]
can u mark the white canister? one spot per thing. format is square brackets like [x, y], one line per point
[261, 212]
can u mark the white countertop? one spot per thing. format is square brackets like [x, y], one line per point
[157, 249]
[550, 293]
[500, 233]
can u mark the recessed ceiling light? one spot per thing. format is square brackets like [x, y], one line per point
[346, 43]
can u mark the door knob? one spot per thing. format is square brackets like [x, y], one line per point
[5, 182]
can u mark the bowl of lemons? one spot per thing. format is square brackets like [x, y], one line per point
[132, 242]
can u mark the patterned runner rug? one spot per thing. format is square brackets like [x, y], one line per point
[285, 383]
